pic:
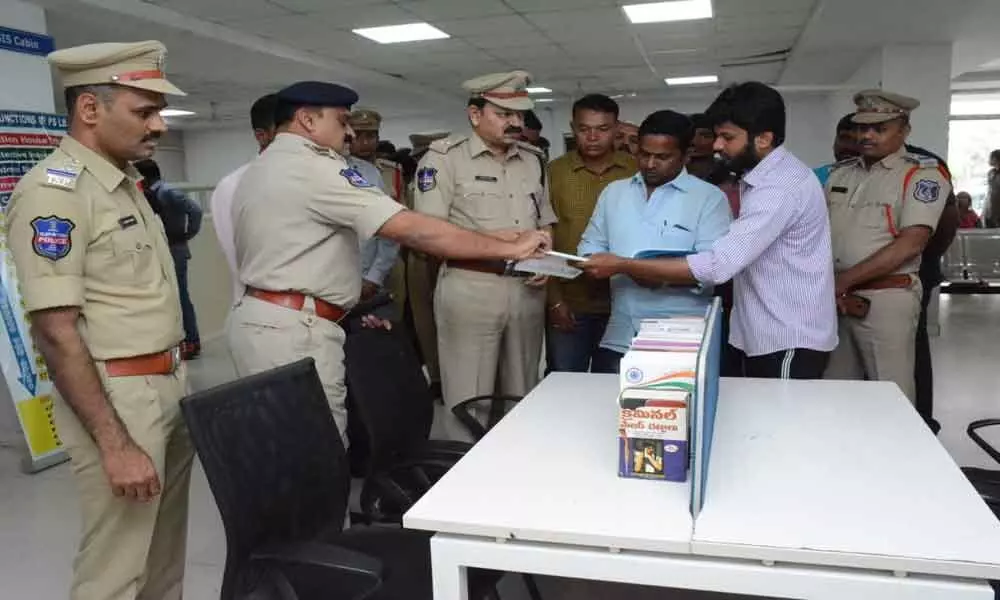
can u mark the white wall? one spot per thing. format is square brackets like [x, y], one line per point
[170, 157]
[211, 154]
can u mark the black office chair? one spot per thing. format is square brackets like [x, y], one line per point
[278, 471]
[986, 481]
[495, 407]
[391, 401]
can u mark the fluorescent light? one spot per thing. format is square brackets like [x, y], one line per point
[545, 99]
[539, 90]
[660, 12]
[175, 112]
[410, 32]
[696, 80]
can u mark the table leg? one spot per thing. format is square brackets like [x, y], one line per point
[450, 577]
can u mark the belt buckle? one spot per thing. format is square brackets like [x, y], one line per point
[175, 358]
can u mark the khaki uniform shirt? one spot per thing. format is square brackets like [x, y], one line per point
[392, 175]
[575, 190]
[299, 213]
[83, 235]
[460, 181]
[870, 206]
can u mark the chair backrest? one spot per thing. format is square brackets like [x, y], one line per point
[493, 408]
[389, 394]
[273, 458]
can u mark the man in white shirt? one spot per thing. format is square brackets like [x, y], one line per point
[262, 121]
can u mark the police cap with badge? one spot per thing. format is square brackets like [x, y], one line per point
[879, 106]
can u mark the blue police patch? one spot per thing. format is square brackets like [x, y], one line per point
[354, 178]
[426, 179]
[927, 191]
[52, 239]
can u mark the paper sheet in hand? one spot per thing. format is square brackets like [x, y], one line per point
[555, 266]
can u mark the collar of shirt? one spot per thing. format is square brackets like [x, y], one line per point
[294, 142]
[477, 147]
[893, 160]
[618, 159]
[108, 175]
[759, 174]
[682, 182]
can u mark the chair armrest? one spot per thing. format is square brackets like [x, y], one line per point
[390, 492]
[474, 427]
[973, 433]
[317, 565]
[441, 450]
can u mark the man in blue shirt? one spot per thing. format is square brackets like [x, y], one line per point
[378, 255]
[181, 218]
[662, 207]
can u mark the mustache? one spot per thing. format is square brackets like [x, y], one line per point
[512, 131]
[151, 137]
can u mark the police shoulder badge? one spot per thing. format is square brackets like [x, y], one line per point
[355, 178]
[927, 191]
[426, 179]
[52, 237]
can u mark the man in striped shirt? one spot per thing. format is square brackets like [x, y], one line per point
[777, 251]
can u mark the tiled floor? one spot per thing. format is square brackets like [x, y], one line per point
[38, 514]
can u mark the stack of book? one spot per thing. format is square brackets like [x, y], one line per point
[658, 375]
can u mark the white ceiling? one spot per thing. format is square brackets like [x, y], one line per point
[226, 53]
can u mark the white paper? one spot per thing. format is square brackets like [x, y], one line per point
[548, 265]
[568, 257]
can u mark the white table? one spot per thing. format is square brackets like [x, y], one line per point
[789, 513]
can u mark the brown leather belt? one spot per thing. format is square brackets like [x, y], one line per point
[889, 282]
[494, 267]
[161, 363]
[296, 301]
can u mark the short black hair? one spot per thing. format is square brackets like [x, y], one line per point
[995, 155]
[668, 122]
[105, 93]
[477, 101]
[284, 111]
[149, 170]
[846, 123]
[752, 106]
[597, 103]
[700, 121]
[385, 147]
[544, 143]
[262, 113]
[531, 121]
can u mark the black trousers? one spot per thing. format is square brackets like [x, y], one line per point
[796, 363]
[923, 371]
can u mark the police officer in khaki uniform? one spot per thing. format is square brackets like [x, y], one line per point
[97, 278]
[298, 214]
[490, 320]
[421, 278]
[884, 206]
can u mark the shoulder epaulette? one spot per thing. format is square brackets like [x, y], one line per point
[446, 145]
[530, 148]
[61, 174]
[388, 164]
[846, 162]
[922, 160]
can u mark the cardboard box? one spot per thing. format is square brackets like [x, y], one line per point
[655, 369]
[653, 434]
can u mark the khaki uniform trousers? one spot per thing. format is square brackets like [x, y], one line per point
[421, 283]
[880, 347]
[489, 328]
[264, 336]
[131, 550]
[396, 284]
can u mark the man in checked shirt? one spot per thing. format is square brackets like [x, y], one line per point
[778, 252]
